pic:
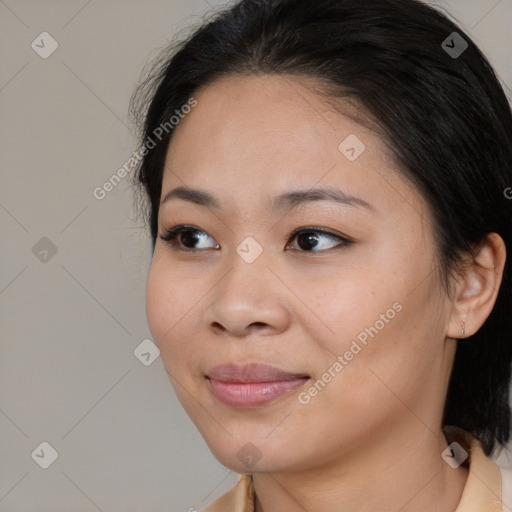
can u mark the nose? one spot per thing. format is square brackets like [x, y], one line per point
[249, 300]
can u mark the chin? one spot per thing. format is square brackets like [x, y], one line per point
[253, 456]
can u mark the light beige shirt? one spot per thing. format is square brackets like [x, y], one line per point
[482, 492]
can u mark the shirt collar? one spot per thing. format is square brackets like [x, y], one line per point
[483, 487]
[481, 492]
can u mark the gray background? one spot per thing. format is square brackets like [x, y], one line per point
[72, 320]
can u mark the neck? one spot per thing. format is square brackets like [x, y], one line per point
[395, 472]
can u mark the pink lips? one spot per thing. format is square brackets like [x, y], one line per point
[251, 385]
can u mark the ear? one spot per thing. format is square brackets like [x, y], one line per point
[476, 290]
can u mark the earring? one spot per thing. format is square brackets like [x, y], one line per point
[463, 327]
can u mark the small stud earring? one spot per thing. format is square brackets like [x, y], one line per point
[463, 326]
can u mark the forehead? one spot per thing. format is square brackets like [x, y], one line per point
[258, 136]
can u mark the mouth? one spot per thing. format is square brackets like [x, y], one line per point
[252, 384]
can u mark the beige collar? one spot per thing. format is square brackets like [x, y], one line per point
[482, 492]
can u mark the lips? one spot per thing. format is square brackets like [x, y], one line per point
[252, 384]
[251, 372]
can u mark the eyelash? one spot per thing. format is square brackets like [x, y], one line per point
[171, 234]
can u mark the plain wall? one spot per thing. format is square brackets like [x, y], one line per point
[72, 320]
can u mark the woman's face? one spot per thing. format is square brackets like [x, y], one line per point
[350, 311]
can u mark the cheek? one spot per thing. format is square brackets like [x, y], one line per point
[376, 312]
[347, 299]
[157, 297]
[170, 304]
[385, 340]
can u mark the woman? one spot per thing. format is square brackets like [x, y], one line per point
[327, 190]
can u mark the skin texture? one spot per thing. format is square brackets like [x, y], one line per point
[371, 438]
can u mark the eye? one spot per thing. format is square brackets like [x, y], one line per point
[185, 238]
[315, 238]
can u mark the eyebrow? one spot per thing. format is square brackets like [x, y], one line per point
[287, 200]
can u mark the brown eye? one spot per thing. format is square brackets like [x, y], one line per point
[185, 238]
[317, 240]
